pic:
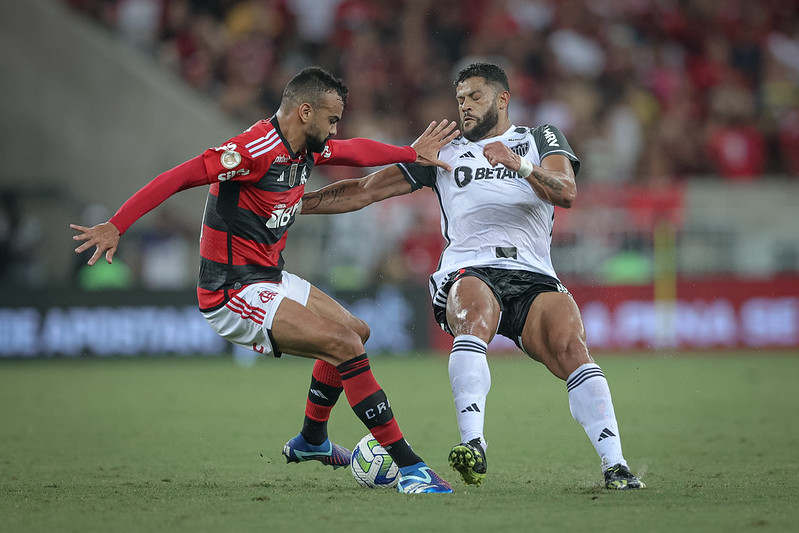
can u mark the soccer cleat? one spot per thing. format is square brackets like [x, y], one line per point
[421, 478]
[469, 460]
[619, 477]
[298, 450]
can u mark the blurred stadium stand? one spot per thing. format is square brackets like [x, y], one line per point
[685, 114]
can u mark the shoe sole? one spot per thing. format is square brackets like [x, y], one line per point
[625, 485]
[462, 460]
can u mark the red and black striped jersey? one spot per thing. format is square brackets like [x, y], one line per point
[256, 198]
[249, 209]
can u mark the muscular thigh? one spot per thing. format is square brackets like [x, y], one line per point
[554, 334]
[322, 304]
[472, 309]
[298, 330]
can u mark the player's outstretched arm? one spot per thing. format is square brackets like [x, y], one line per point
[434, 138]
[553, 181]
[354, 194]
[104, 236]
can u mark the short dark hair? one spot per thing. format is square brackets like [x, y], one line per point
[493, 74]
[309, 85]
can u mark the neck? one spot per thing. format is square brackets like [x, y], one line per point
[291, 130]
[501, 127]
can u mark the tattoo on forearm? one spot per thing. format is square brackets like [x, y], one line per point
[547, 181]
[314, 200]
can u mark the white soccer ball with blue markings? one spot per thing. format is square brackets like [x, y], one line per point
[372, 466]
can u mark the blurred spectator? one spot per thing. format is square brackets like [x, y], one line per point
[20, 236]
[165, 255]
[735, 144]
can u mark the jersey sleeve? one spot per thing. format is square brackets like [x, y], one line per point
[359, 152]
[550, 140]
[182, 177]
[418, 175]
[245, 157]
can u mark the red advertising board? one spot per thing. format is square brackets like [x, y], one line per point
[707, 314]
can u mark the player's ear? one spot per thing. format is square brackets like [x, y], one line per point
[305, 112]
[503, 98]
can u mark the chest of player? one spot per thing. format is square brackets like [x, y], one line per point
[473, 183]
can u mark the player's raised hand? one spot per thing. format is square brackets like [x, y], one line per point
[104, 236]
[435, 137]
[499, 154]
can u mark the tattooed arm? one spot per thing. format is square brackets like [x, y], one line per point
[553, 181]
[354, 194]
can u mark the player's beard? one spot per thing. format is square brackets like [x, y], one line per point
[316, 143]
[482, 126]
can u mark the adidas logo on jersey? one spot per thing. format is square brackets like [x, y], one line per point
[467, 155]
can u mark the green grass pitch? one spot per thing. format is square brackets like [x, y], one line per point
[194, 445]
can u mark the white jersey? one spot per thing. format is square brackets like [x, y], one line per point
[490, 216]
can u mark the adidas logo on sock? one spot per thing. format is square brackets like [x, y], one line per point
[318, 393]
[606, 433]
[467, 155]
[472, 408]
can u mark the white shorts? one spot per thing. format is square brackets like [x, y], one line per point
[246, 320]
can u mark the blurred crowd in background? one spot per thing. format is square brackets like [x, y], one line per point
[643, 89]
[650, 93]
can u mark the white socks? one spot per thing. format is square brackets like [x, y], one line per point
[471, 381]
[592, 407]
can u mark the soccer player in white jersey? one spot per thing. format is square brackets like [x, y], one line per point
[495, 274]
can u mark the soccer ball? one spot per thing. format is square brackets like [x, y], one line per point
[372, 466]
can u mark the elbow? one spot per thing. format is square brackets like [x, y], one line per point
[568, 197]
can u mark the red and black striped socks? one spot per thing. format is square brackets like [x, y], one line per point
[371, 405]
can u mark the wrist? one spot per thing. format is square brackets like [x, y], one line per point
[525, 168]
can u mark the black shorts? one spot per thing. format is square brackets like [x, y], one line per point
[515, 291]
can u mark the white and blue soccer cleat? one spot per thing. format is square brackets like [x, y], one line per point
[298, 450]
[420, 478]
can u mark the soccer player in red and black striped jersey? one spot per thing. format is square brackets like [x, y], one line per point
[257, 180]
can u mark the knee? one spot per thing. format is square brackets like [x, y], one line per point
[342, 344]
[361, 328]
[568, 354]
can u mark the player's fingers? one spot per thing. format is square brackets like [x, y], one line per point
[446, 126]
[444, 130]
[95, 256]
[83, 247]
[453, 134]
[442, 164]
[430, 128]
[79, 228]
[109, 255]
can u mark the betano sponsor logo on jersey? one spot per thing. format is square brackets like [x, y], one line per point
[282, 215]
[465, 175]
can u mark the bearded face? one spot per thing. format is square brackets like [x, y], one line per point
[315, 139]
[476, 127]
